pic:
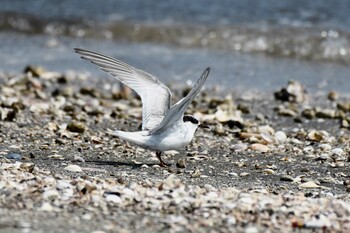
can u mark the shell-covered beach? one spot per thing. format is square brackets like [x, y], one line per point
[269, 163]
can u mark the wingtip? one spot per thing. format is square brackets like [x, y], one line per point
[78, 50]
[206, 72]
[207, 69]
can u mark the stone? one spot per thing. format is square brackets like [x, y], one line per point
[259, 147]
[73, 168]
[14, 156]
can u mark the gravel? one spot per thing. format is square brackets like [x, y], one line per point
[267, 165]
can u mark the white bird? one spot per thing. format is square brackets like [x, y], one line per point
[164, 128]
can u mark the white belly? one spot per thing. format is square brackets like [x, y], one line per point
[171, 139]
[167, 142]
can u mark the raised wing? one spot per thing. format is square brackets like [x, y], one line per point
[155, 95]
[177, 111]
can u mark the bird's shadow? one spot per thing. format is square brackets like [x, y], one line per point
[117, 163]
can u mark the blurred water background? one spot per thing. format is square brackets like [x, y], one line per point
[249, 44]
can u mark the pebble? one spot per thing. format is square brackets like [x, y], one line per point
[244, 174]
[14, 156]
[56, 156]
[309, 185]
[280, 137]
[181, 163]
[240, 147]
[113, 198]
[287, 178]
[50, 194]
[76, 127]
[259, 147]
[337, 151]
[46, 207]
[308, 113]
[73, 168]
[63, 184]
[78, 158]
[268, 171]
[177, 200]
[325, 113]
[196, 173]
[319, 222]
[332, 95]
[325, 147]
[294, 92]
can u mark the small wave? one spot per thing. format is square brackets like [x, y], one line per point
[313, 43]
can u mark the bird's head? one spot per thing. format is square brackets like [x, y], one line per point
[193, 123]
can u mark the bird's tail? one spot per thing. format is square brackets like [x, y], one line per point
[137, 137]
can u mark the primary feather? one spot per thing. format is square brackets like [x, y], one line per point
[154, 106]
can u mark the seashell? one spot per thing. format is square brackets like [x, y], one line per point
[259, 147]
[73, 168]
[280, 137]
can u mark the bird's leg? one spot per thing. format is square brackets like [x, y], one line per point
[162, 163]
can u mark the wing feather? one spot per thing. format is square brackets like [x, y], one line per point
[177, 111]
[154, 107]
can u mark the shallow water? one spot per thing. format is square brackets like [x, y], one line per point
[250, 44]
[232, 70]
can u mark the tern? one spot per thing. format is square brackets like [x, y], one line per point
[164, 128]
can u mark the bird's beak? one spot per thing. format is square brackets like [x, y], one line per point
[203, 126]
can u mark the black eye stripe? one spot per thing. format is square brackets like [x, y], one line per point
[191, 119]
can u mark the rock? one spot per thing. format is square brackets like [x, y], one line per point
[76, 127]
[318, 136]
[244, 174]
[56, 156]
[266, 129]
[319, 222]
[283, 111]
[308, 113]
[309, 185]
[29, 167]
[196, 173]
[280, 137]
[172, 181]
[36, 71]
[294, 92]
[344, 106]
[337, 151]
[14, 156]
[73, 168]
[325, 113]
[268, 138]
[287, 178]
[219, 130]
[113, 198]
[46, 207]
[344, 123]
[259, 147]
[268, 171]
[325, 147]
[63, 184]
[240, 147]
[78, 158]
[181, 163]
[332, 95]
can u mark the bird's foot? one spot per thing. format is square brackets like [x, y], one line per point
[162, 163]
